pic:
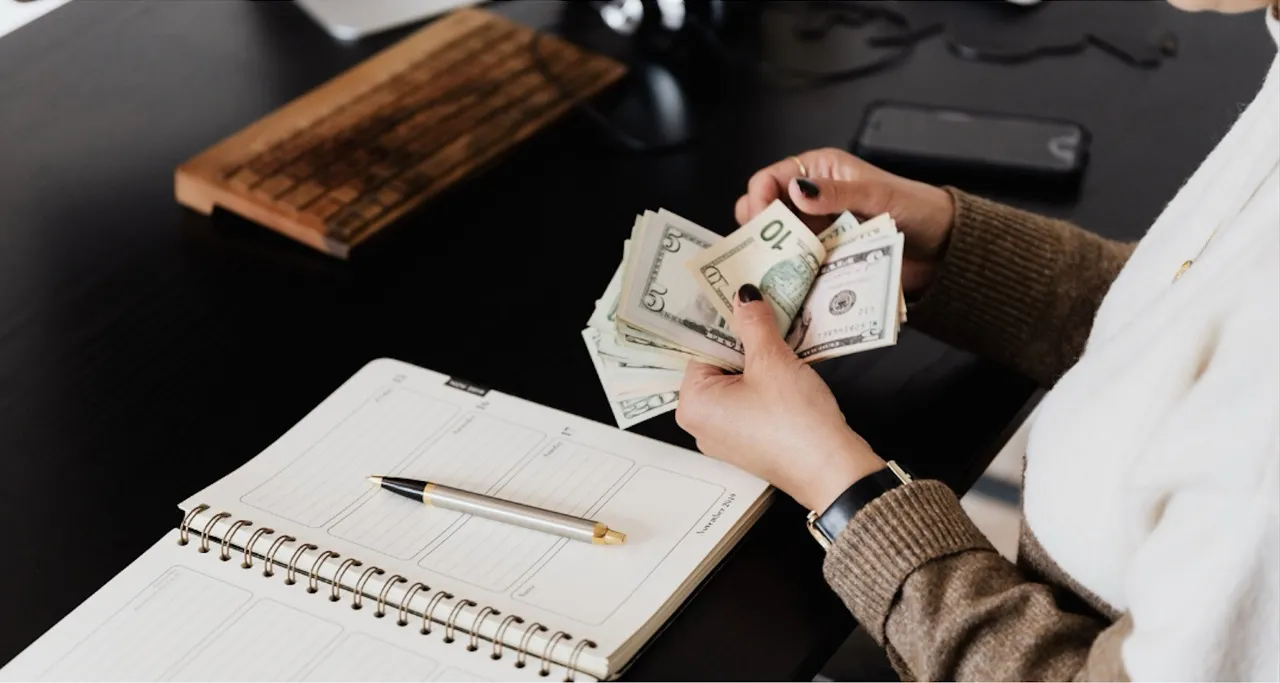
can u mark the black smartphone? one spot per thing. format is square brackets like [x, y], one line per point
[962, 147]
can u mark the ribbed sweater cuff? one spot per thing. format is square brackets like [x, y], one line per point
[890, 539]
[993, 280]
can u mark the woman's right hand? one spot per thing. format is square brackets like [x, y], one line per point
[837, 181]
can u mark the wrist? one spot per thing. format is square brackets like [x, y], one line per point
[928, 236]
[849, 463]
[937, 209]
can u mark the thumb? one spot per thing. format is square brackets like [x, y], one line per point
[754, 325]
[824, 196]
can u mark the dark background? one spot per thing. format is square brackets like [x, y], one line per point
[145, 351]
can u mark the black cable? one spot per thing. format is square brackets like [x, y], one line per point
[621, 137]
[808, 77]
[853, 16]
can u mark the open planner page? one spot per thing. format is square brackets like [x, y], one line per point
[177, 615]
[677, 508]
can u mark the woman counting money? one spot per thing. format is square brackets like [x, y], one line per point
[1150, 546]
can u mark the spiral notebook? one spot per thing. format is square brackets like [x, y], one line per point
[293, 567]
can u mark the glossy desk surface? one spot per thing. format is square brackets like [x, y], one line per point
[145, 351]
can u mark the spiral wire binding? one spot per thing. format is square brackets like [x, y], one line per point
[186, 523]
[502, 629]
[523, 650]
[475, 627]
[573, 657]
[268, 567]
[546, 659]
[357, 595]
[403, 614]
[545, 665]
[336, 594]
[450, 626]
[248, 547]
[380, 610]
[313, 581]
[204, 535]
[291, 571]
[224, 555]
[431, 608]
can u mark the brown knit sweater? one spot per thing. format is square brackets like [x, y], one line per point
[917, 574]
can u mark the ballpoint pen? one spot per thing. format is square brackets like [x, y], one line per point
[449, 498]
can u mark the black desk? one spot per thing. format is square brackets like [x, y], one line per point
[146, 351]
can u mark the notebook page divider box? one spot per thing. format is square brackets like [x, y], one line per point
[450, 616]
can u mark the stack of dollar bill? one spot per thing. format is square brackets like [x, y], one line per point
[671, 299]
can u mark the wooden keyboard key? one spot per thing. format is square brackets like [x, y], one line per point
[376, 174]
[302, 195]
[378, 153]
[324, 208]
[274, 186]
[388, 197]
[345, 224]
[299, 170]
[368, 209]
[267, 163]
[358, 159]
[345, 194]
[243, 179]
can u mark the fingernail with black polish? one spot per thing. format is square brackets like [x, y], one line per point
[807, 187]
[749, 293]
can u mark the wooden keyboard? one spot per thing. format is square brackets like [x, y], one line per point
[341, 162]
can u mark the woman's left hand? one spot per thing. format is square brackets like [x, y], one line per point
[777, 420]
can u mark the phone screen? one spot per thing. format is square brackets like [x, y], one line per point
[956, 136]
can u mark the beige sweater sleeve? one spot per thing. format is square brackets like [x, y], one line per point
[1022, 290]
[1018, 288]
[926, 584]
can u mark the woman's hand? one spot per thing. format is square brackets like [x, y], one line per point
[777, 420]
[838, 181]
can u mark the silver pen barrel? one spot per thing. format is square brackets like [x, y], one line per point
[505, 511]
[499, 510]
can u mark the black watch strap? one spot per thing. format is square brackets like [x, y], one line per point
[828, 525]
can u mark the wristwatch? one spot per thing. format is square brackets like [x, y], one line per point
[826, 526]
